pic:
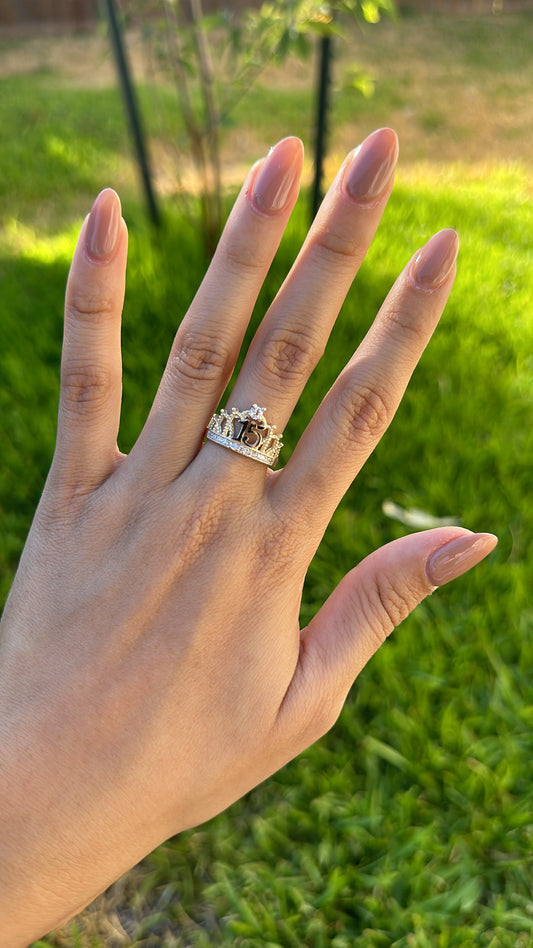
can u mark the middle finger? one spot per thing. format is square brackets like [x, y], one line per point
[293, 334]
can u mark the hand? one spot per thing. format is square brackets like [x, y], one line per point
[152, 668]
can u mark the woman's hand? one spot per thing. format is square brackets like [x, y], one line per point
[152, 665]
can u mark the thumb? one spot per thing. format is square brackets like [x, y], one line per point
[366, 606]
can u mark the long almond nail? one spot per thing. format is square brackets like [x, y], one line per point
[371, 166]
[103, 227]
[278, 176]
[459, 555]
[431, 266]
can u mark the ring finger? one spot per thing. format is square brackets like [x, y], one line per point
[361, 404]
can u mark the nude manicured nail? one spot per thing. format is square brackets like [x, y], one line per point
[278, 176]
[458, 556]
[371, 166]
[431, 265]
[103, 226]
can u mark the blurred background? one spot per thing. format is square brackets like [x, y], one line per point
[410, 824]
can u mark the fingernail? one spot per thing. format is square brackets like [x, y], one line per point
[458, 556]
[278, 176]
[103, 227]
[372, 165]
[431, 265]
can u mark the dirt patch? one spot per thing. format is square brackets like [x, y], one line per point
[83, 59]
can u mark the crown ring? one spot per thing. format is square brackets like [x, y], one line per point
[246, 432]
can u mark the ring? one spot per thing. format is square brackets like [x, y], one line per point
[246, 432]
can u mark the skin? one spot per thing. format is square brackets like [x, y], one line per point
[152, 667]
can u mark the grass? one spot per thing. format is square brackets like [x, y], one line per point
[454, 88]
[410, 824]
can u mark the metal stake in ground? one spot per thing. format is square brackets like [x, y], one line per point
[132, 109]
[321, 129]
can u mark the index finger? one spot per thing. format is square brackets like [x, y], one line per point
[209, 338]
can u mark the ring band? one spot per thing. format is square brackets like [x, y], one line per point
[246, 432]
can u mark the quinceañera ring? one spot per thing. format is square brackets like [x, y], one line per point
[246, 432]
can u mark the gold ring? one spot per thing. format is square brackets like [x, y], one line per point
[246, 432]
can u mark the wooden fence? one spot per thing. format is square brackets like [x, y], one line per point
[76, 14]
[21, 14]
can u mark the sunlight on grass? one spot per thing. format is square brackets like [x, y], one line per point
[24, 242]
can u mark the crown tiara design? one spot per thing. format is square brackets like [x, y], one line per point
[246, 432]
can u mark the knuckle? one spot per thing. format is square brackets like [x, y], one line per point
[240, 254]
[197, 358]
[288, 556]
[87, 306]
[86, 389]
[288, 356]
[59, 507]
[401, 320]
[201, 525]
[391, 604]
[337, 244]
[363, 414]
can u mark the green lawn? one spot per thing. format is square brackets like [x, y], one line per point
[410, 824]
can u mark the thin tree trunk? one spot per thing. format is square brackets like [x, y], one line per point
[212, 121]
[193, 126]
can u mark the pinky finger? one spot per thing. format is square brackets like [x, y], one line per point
[91, 370]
